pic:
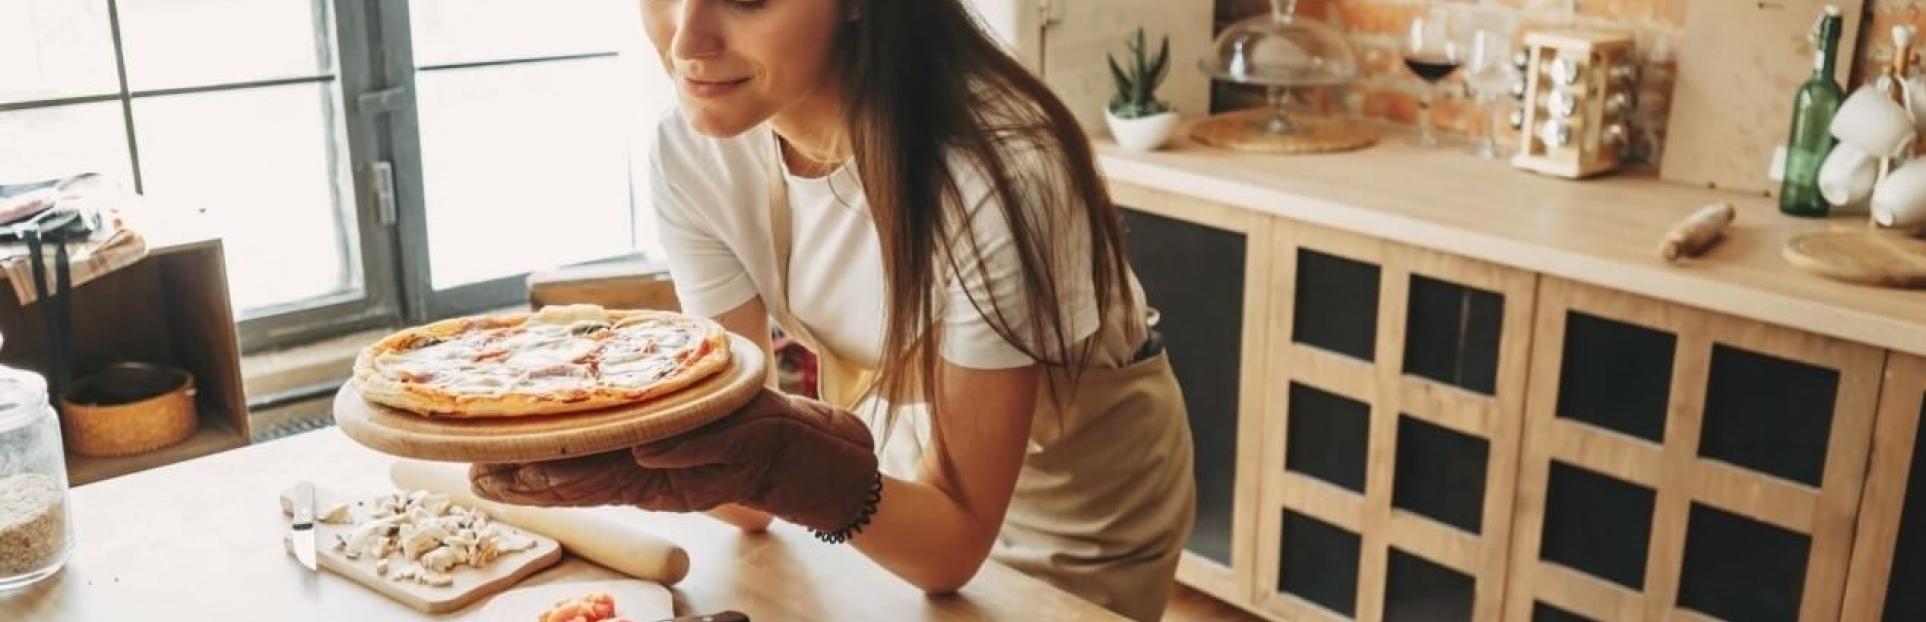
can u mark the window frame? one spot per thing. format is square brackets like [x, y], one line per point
[366, 53]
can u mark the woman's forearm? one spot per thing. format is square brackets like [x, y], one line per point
[924, 536]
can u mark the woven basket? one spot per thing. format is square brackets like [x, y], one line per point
[127, 409]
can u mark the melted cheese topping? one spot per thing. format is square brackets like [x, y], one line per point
[551, 353]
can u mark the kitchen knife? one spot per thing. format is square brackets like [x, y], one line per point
[301, 530]
[726, 616]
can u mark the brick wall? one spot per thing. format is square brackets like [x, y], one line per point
[1375, 29]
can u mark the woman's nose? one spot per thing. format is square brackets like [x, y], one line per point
[696, 34]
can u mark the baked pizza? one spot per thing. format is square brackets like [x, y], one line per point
[561, 359]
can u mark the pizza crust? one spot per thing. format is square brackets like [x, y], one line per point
[707, 344]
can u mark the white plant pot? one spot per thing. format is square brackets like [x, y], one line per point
[1144, 133]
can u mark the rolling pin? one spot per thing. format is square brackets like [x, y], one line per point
[1696, 231]
[620, 546]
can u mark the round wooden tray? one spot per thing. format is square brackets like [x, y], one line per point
[1238, 130]
[1865, 256]
[552, 437]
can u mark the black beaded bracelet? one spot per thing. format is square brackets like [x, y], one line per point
[857, 524]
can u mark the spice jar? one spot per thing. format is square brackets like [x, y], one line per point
[36, 531]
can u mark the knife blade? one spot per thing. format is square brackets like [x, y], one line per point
[726, 616]
[301, 530]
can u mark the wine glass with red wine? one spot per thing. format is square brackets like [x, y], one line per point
[1431, 53]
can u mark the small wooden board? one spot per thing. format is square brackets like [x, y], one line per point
[1740, 63]
[1864, 256]
[1239, 130]
[552, 437]
[471, 584]
[641, 601]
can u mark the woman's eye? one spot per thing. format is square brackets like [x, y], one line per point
[748, 5]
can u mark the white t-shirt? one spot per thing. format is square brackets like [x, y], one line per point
[711, 198]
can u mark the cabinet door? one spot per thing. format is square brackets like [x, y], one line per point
[1394, 402]
[1199, 264]
[1889, 555]
[1684, 464]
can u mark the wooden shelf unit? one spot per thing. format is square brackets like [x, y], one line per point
[170, 308]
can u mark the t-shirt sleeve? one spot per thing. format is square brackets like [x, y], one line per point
[709, 277]
[972, 296]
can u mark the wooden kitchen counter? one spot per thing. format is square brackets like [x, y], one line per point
[200, 540]
[1604, 231]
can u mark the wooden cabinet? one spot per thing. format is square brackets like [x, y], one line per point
[1417, 435]
[1199, 264]
[1684, 463]
[1391, 425]
[1889, 557]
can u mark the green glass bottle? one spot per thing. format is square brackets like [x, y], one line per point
[1811, 139]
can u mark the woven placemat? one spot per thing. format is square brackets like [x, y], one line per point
[551, 437]
[1241, 130]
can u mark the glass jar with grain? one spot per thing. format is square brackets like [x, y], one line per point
[36, 531]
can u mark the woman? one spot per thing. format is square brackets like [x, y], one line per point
[907, 201]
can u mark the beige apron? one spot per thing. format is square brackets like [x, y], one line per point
[1105, 499]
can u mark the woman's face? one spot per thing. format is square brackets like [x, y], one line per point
[735, 63]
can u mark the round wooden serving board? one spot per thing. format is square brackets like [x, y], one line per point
[1861, 256]
[1239, 130]
[552, 437]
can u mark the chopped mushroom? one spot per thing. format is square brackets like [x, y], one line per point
[336, 515]
[432, 537]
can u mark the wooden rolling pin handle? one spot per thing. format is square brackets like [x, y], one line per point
[1697, 231]
[621, 546]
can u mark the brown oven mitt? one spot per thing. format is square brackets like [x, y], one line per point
[799, 459]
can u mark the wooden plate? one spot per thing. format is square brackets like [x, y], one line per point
[1238, 131]
[637, 600]
[551, 437]
[1861, 256]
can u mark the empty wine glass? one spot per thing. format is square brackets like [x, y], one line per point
[1488, 73]
[1431, 53]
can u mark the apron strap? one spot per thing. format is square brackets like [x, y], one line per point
[840, 383]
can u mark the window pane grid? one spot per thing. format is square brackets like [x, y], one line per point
[170, 111]
[165, 98]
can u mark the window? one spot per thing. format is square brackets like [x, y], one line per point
[366, 162]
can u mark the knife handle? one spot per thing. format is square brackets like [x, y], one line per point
[726, 616]
[304, 503]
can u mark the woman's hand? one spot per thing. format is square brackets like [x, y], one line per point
[799, 459]
[602, 479]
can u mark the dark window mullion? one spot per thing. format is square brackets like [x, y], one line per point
[53, 103]
[517, 61]
[232, 86]
[126, 101]
[333, 120]
[393, 63]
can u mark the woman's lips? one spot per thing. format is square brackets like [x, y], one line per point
[712, 88]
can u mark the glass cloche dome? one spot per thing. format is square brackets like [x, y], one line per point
[1281, 50]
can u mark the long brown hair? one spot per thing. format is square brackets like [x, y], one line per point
[925, 87]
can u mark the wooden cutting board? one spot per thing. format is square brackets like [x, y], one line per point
[1863, 256]
[625, 546]
[641, 601]
[1740, 64]
[551, 437]
[470, 584]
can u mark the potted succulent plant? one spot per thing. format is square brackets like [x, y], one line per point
[1138, 120]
